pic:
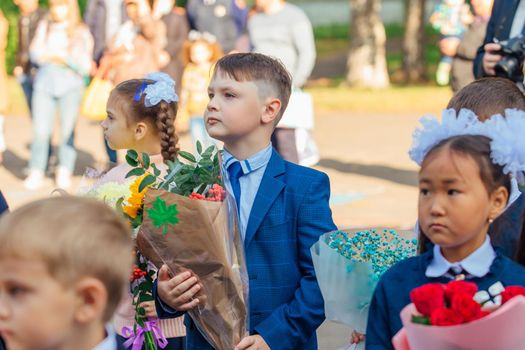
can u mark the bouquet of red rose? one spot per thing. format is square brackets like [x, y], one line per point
[456, 316]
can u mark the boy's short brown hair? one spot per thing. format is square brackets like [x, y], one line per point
[74, 237]
[488, 96]
[258, 67]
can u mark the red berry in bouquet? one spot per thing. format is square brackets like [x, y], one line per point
[196, 195]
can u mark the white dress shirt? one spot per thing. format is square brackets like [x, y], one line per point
[253, 169]
[476, 264]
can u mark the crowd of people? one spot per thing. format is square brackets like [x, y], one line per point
[117, 40]
[65, 261]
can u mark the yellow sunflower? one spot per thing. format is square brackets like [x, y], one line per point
[136, 200]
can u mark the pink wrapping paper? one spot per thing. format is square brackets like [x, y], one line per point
[504, 329]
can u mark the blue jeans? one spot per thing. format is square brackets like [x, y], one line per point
[44, 108]
[26, 82]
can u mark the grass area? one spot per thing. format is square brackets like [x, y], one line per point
[395, 100]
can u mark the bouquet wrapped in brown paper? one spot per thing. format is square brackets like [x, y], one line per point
[189, 222]
[204, 242]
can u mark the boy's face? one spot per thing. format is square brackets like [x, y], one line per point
[36, 311]
[235, 109]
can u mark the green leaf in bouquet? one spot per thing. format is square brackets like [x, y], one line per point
[145, 161]
[205, 171]
[162, 214]
[199, 147]
[206, 163]
[208, 152]
[136, 172]
[141, 311]
[424, 320]
[132, 157]
[183, 178]
[144, 288]
[131, 162]
[188, 156]
[148, 180]
[156, 170]
[143, 297]
[137, 221]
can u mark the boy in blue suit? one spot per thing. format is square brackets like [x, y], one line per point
[283, 209]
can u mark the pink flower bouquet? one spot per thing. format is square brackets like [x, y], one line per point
[501, 329]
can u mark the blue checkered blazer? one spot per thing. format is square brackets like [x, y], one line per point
[289, 214]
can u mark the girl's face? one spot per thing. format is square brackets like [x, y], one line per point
[454, 205]
[200, 53]
[59, 11]
[118, 132]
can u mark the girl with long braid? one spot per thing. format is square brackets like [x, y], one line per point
[140, 116]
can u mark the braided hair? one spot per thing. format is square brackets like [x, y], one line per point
[161, 116]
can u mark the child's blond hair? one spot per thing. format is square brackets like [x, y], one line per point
[74, 237]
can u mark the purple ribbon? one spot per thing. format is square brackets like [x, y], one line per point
[136, 339]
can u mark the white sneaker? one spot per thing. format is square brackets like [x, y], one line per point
[34, 180]
[63, 177]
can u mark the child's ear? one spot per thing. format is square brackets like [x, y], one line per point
[271, 110]
[141, 129]
[498, 199]
[92, 299]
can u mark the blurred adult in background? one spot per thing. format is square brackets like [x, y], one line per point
[4, 30]
[25, 70]
[138, 46]
[465, 53]
[225, 19]
[63, 49]
[177, 28]
[104, 18]
[282, 30]
[506, 21]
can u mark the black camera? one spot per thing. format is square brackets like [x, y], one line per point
[511, 65]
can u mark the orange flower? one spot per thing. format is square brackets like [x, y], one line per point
[136, 200]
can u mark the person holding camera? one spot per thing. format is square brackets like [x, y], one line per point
[503, 50]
